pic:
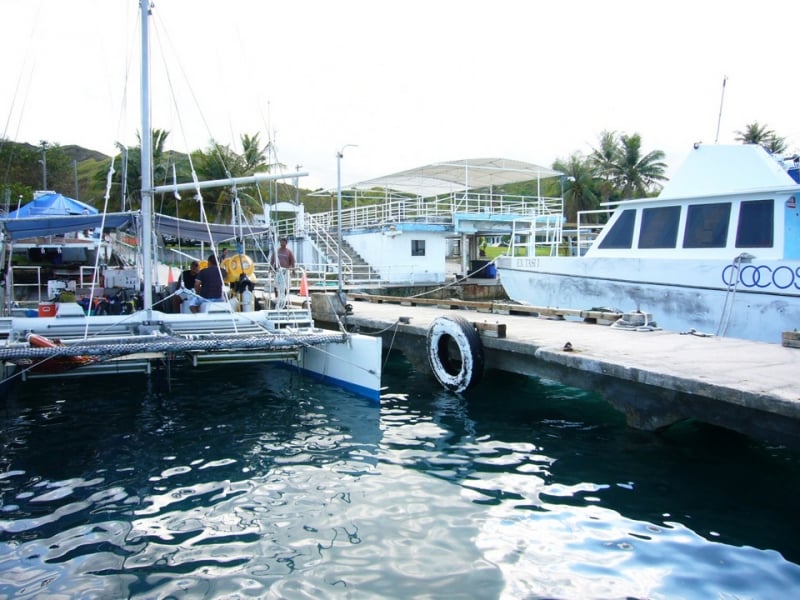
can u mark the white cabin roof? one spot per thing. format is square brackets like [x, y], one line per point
[457, 176]
[715, 169]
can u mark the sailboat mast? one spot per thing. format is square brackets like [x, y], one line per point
[146, 157]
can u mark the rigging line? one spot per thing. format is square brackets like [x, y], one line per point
[96, 270]
[36, 21]
[308, 346]
[4, 137]
[168, 42]
[730, 295]
[453, 283]
[391, 344]
[22, 112]
[123, 108]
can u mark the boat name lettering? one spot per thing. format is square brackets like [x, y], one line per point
[762, 276]
[528, 263]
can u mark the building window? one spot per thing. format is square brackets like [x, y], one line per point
[659, 227]
[755, 229]
[707, 225]
[417, 247]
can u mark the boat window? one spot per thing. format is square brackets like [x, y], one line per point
[707, 225]
[755, 224]
[621, 233]
[659, 227]
[417, 247]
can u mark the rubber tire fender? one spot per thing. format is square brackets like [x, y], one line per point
[446, 333]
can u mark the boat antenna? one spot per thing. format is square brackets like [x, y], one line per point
[721, 101]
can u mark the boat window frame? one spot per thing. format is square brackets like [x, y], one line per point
[417, 247]
[620, 234]
[751, 222]
[697, 222]
[659, 227]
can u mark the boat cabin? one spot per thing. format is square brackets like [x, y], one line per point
[756, 213]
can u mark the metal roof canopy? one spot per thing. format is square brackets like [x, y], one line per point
[457, 176]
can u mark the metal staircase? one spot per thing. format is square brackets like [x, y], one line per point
[354, 268]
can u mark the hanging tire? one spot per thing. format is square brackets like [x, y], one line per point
[455, 353]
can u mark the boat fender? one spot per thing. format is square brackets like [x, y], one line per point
[39, 341]
[57, 364]
[448, 336]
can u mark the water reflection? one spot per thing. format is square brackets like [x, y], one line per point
[265, 484]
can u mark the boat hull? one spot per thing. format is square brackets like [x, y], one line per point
[129, 343]
[707, 296]
[354, 365]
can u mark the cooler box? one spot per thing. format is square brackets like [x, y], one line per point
[47, 309]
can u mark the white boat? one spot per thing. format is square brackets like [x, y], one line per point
[73, 341]
[717, 252]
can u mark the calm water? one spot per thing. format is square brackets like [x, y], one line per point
[268, 485]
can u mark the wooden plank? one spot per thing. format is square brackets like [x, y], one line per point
[504, 308]
[497, 330]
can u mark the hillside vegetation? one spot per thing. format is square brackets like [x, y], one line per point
[81, 173]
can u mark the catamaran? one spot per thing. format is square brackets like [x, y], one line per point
[75, 341]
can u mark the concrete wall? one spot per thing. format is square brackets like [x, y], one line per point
[391, 255]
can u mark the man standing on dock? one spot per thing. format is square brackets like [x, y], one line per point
[284, 256]
[282, 261]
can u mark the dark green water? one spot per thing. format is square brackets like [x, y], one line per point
[259, 483]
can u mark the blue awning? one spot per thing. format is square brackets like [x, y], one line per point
[21, 228]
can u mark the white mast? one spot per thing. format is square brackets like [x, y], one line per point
[146, 156]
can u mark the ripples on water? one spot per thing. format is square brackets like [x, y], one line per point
[268, 485]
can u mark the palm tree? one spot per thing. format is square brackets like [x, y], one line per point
[219, 162]
[755, 133]
[637, 174]
[580, 185]
[602, 161]
[255, 157]
[629, 174]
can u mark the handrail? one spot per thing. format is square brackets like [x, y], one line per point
[587, 232]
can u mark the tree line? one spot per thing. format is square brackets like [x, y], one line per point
[617, 168]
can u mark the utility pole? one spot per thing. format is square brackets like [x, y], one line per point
[339, 156]
[44, 164]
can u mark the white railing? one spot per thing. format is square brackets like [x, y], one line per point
[542, 215]
[589, 227]
[36, 287]
[435, 210]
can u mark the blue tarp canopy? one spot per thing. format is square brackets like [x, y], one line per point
[52, 204]
[28, 227]
[194, 230]
[55, 214]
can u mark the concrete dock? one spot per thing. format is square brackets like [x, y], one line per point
[656, 378]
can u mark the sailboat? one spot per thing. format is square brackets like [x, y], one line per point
[77, 342]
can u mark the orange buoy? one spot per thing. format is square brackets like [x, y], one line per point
[57, 364]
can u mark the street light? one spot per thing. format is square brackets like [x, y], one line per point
[339, 156]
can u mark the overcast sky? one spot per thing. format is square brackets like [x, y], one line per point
[411, 82]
